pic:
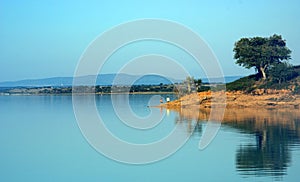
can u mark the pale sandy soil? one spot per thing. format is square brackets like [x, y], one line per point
[236, 100]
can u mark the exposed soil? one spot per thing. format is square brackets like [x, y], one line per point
[257, 99]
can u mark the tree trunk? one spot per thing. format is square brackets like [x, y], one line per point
[189, 87]
[263, 73]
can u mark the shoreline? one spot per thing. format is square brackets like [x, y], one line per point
[237, 99]
[70, 94]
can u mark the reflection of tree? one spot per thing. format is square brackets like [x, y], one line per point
[193, 126]
[198, 128]
[275, 133]
[271, 153]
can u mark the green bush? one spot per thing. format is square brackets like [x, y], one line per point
[282, 72]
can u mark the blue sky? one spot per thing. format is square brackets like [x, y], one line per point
[46, 38]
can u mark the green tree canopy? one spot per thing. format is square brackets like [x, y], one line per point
[261, 53]
[282, 72]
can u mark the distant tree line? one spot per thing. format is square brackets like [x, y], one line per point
[91, 89]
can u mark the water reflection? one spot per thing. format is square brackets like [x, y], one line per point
[273, 135]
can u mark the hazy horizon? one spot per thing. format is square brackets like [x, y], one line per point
[50, 77]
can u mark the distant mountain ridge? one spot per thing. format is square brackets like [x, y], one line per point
[227, 79]
[105, 79]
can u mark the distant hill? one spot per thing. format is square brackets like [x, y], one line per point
[227, 79]
[104, 79]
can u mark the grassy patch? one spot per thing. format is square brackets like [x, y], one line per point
[246, 84]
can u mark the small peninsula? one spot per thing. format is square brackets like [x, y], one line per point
[275, 85]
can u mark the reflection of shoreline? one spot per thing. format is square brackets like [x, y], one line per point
[241, 114]
[262, 117]
[273, 135]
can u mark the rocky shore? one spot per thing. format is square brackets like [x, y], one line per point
[257, 99]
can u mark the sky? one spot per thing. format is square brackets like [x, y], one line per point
[40, 39]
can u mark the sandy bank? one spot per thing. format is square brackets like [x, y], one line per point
[274, 99]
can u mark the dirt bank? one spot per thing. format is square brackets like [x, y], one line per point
[258, 99]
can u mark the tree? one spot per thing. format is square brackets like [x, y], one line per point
[282, 72]
[261, 53]
[189, 81]
[198, 83]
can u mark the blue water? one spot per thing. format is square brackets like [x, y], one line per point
[41, 141]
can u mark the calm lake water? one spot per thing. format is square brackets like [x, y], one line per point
[41, 141]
